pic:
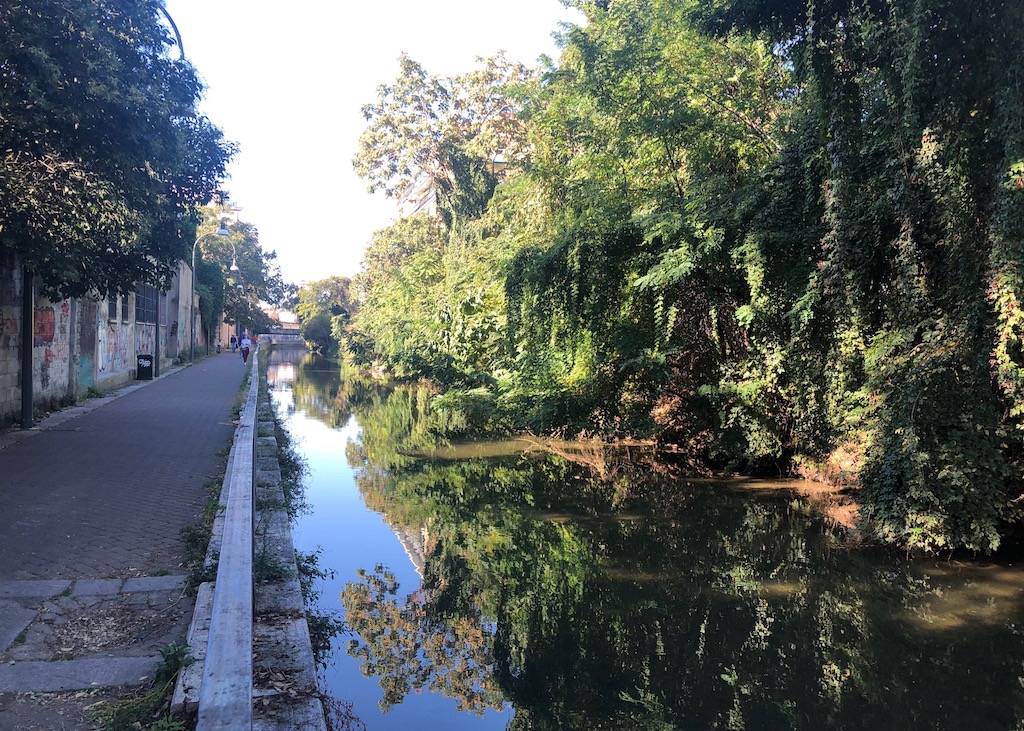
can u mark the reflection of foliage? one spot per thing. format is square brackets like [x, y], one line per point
[320, 393]
[411, 650]
[324, 625]
[642, 601]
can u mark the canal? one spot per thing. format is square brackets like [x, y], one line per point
[500, 585]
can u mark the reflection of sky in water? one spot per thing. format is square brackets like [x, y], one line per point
[353, 537]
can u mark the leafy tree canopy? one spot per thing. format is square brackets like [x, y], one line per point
[413, 126]
[257, 277]
[103, 155]
[766, 232]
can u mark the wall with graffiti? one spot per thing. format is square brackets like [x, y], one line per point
[51, 344]
[74, 346]
[52, 364]
[83, 343]
[115, 344]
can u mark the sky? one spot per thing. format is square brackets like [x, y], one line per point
[286, 81]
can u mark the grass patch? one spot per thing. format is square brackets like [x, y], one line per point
[148, 709]
[197, 538]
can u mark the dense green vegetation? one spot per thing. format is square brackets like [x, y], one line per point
[104, 156]
[235, 294]
[761, 232]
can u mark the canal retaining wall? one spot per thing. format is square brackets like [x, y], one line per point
[285, 694]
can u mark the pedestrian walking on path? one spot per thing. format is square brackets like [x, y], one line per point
[84, 514]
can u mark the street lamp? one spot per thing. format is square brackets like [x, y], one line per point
[222, 231]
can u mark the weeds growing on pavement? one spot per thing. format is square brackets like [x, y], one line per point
[150, 708]
[197, 537]
[242, 396]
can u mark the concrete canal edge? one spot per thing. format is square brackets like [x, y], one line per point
[285, 691]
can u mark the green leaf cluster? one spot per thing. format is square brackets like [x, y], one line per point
[103, 154]
[765, 233]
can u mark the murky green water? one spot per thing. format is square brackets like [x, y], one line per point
[490, 587]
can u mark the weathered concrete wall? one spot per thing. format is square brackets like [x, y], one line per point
[74, 347]
[54, 372]
[177, 313]
[85, 353]
[10, 340]
[115, 348]
[76, 344]
[51, 349]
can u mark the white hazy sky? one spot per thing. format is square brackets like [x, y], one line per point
[287, 80]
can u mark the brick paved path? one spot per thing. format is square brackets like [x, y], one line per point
[106, 494]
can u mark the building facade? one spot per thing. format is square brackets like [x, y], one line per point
[87, 343]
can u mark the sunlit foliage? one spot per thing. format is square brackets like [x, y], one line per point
[764, 233]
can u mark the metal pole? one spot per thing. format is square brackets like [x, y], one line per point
[27, 333]
[191, 309]
[156, 338]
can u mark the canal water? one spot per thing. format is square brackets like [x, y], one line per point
[499, 585]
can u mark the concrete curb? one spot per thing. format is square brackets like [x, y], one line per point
[40, 676]
[286, 693]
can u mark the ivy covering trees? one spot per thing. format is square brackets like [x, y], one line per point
[761, 232]
[103, 155]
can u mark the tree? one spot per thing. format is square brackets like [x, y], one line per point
[907, 296]
[256, 279]
[103, 155]
[767, 232]
[316, 331]
[453, 130]
[330, 296]
[325, 306]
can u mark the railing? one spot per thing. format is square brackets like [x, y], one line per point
[282, 338]
[225, 697]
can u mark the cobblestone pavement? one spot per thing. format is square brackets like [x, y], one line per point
[91, 500]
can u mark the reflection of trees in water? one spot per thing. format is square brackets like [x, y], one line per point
[647, 602]
[410, 648]
[321, 393]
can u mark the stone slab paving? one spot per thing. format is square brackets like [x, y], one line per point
[92, 504]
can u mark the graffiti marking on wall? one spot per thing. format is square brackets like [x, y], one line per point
[44, 327]
[8, 326]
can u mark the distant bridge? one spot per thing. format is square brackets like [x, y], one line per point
[286, 338]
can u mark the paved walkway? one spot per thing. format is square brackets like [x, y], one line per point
[92, 503]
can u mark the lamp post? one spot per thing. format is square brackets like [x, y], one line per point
[222, 231]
